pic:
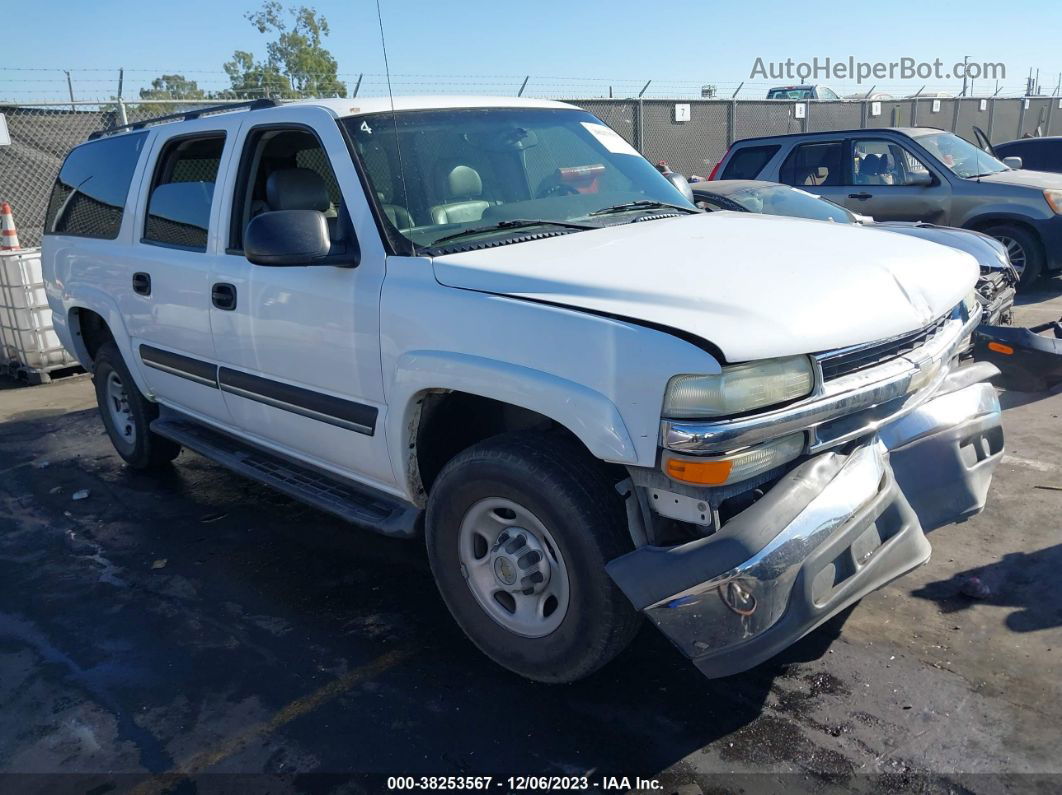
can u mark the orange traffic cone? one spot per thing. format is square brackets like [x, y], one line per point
[8, 235]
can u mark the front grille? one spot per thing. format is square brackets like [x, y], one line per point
[849, 360]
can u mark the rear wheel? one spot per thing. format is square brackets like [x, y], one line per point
[519, 529]
[127, 414]
[1024, 251]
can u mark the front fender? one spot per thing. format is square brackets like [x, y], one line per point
[588, 414]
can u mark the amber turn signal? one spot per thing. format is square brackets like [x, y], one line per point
[703, 473]
[999, 347]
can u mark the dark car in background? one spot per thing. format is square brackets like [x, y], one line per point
[995, 288]
[1037, 154]
[916, 174]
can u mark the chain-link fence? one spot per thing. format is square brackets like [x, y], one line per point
[691, 135]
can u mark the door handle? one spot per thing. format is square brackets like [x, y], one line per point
[142, 283]
[861, 196]
[223, 296]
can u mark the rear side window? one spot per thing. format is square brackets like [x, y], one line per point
[748, 162]
[182, 191]
[1035, 155]
[813, 164]
[89, 194]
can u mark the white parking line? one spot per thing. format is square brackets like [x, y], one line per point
[1041, 466]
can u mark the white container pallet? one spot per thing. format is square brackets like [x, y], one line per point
[29, 347]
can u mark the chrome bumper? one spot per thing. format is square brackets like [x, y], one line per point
[840, 410]
[828, 533]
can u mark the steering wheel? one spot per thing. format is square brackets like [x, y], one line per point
[557, 189]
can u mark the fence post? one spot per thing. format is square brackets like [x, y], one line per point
[638, 128]
[1050, 113]
[862, 114]
[991, 117]
[1021, 117]
[914, 112]
[731, 123]
[955, 116]
[121, 112]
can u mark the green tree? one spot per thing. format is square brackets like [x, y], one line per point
[164, 88]
[173, 87]
[296, 63]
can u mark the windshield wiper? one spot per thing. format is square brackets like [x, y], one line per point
[641, 204]
[516, 223]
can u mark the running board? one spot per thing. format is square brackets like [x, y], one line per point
[358, 504]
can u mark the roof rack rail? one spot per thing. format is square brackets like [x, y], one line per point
[253, 104]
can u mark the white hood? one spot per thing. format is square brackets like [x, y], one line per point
[756, 286]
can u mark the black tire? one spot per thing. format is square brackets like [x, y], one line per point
[1027, 242]
[568, 491]
[146, 450]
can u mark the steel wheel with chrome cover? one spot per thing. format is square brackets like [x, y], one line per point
[127, 414]
[519, 529]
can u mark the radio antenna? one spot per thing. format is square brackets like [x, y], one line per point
[394, 119]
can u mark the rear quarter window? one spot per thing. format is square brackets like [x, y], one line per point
[89, 195]
[748, 162]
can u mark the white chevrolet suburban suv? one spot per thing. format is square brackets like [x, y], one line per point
[493, 323]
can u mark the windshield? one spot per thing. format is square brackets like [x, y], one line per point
[783, 200]
[962, 157]
[791, 93]
[474, 172]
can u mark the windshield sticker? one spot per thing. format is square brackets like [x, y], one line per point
[610, 139]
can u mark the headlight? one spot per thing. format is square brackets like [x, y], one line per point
[739, 388]
[733, 467]
[1054, 200]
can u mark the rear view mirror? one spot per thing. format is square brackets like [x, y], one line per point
[286, 238]
[1012, 162]
[922, 178]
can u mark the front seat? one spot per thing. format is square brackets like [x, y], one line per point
[300, 189]
[870, 170]
[464, 188]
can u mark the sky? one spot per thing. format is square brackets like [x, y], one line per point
[576, 49]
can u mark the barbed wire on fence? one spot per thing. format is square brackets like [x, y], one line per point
[101, 84]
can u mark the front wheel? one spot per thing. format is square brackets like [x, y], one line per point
[127, 414]
[519, 529]
[1024, 251]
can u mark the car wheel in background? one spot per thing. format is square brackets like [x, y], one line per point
[127, 414]
[1023, 248]
[519, 529]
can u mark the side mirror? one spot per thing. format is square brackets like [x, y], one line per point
[287, 237]
[1012, 162]
[920, 178]
[682, 184]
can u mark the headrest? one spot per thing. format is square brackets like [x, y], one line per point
[871, 166]
[297, 189]
[464, 181]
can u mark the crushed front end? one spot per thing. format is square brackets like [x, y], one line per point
[895, 438]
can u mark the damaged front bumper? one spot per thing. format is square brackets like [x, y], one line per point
[827, 533]
[1033, 354]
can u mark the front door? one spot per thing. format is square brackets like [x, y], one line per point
[888, 183]
[299, 346]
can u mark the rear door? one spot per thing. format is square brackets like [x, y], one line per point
[174, 250]
[886, 181]
[817, 167]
